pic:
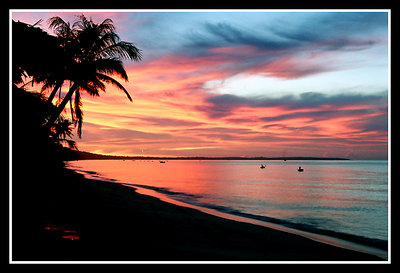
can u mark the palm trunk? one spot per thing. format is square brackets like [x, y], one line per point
[53, 93]
[61, 107]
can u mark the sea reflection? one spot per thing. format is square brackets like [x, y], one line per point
[348, 197]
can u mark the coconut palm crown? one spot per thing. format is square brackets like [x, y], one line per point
[93, 53]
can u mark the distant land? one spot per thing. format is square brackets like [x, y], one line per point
[79, 155]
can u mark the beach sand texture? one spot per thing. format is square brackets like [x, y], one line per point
[64, 217]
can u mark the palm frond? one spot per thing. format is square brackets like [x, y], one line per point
[111, 66]
[83, 22]
[78, 113]
[71, 144]
[112, 81]
[123, 50]
[59, 26]
[71, 107]
[107, 39]
[91, 87]
[106, 26]
[37, 23]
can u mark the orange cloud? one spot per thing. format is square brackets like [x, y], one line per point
[174, 113]
[169, 117]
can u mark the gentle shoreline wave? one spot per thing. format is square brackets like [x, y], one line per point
[381, 246]
[191, 199]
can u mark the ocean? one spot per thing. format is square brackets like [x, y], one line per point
[345, 198]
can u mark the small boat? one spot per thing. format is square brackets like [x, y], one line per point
[262, 166]
[300, 169]
[161, 161]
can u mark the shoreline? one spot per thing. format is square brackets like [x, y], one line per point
[378, 247]
[310, 234]
[82, 219]
[230, 213]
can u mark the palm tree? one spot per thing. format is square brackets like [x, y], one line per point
[61, 130]
[96, 54]
[66, 37]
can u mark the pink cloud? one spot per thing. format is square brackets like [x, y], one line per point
[174, 114]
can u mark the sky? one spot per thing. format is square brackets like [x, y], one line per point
[243, 83]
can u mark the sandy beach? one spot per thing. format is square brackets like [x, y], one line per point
[66, 217]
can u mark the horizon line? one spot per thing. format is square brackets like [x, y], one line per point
[89, 155]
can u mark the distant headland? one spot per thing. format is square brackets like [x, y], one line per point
[80, 155]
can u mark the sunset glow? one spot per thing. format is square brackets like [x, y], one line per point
[243, 84]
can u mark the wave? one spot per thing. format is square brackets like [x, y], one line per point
[92, 175]
[180, 196]
[193, 199]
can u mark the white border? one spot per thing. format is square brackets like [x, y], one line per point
[197, 10]
[11, 11]
[389, 137]
[10, 136]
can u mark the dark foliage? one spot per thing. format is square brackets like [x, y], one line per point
[34, 53]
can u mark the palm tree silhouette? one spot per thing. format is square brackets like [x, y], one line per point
[92, 54]
[66, 38]
[61, 130]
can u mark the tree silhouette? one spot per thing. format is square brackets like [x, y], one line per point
[61, 130]
[35, 53]
[37, 62]
[66, 37]
[92, 53]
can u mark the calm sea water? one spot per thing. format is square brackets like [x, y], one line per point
[349, 197]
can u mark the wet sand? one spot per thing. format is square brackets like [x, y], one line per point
[62, 216]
